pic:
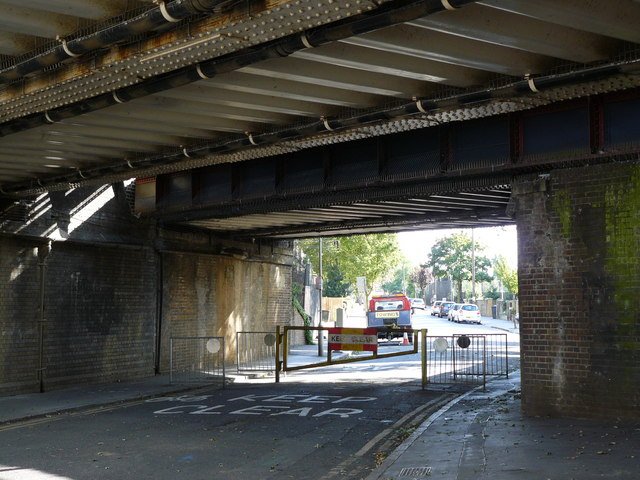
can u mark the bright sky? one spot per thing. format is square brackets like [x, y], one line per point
[496, 240]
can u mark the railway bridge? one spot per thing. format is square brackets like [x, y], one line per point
[157, 159]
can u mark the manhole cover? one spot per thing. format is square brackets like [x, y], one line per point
[415, 472]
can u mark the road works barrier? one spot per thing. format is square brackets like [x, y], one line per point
[354, 339]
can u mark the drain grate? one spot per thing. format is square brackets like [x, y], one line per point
[415, 472]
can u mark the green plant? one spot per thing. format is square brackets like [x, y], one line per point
[306, 318]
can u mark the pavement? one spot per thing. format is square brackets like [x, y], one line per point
[484, 435]
[478, 435]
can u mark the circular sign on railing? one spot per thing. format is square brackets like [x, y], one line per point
[440, 345]
[269, 339]
[464, 341]
[213, 345]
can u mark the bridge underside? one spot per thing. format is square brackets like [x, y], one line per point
[107, 90]
[245, 120]
[483, 208]
[455, 175]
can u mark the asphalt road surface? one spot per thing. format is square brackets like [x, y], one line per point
[261, 431]
[336, 422]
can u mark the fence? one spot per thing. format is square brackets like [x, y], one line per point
[466, 359]
[256, 351]
[197, 360]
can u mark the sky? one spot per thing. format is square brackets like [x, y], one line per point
[497, 241]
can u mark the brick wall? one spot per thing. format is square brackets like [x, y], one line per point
[97, 322]
[579, 274]
[19, 301]
[102, 317]
[210, 295]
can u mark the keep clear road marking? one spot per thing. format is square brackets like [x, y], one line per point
[266, 405]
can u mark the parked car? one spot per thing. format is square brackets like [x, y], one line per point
[444, 309]
[468, 312]
[452, 312]
[435, 308]
[417, 303]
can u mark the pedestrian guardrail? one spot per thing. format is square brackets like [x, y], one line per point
[198, 360]
[453, 359]
[256, 351]
[465, 358]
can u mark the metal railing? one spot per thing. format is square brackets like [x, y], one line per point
[465, 358]
[454, 359]
[256, 351]
[197, 360]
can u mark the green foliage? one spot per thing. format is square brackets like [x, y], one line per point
[451, 257]
[296, 288]
[398, 283]
[372, 256]
[311, 249]
[492, 293]
[395, 285]
[410, 280]
[507, 275]
[334, 284]
[306, 319]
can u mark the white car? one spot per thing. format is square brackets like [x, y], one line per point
[467, 312]
[453, 310]
[435, 308]
[417, 303]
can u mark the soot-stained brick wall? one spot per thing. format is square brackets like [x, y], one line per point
[19, 313]
[110, 289]
[579, 274]
[98, 322]
[78, 288]
[100, 316]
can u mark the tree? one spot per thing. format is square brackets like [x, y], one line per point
[452, 257]
[330, 252]
[421, 277]
[492, 293]
[400, 282]
[507, 275]
[372, 256]
[334, 284]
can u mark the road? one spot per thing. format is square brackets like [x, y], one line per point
[328, 423]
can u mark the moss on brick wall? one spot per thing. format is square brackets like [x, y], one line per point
[579, 279]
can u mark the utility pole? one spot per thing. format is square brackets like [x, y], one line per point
[320, 349]
[404, 287]
[473, 266]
